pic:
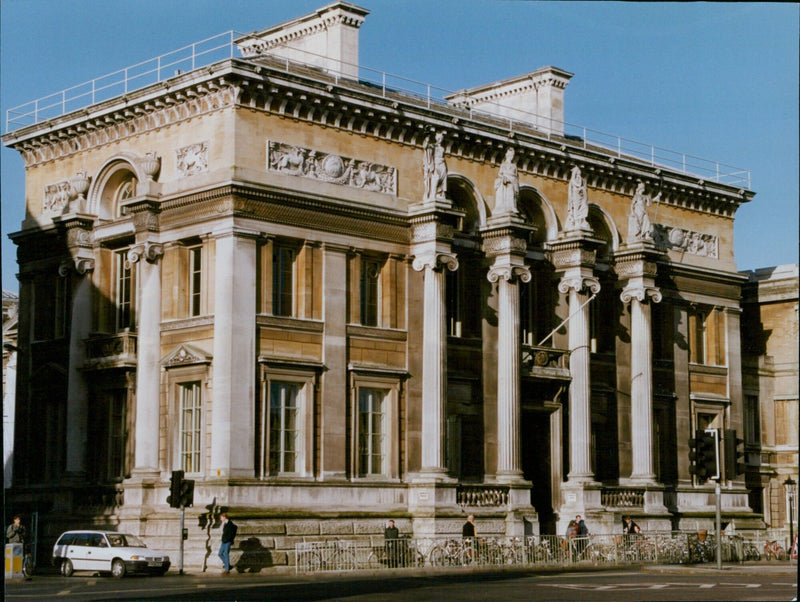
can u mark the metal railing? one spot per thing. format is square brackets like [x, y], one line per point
[660, 547]
[226, 46]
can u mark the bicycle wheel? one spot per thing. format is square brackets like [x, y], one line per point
[436, 556]
[780, 554]
[374, 560]
[27, 566]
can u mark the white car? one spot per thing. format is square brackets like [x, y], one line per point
[106, 551]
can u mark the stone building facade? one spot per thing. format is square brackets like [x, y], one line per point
[330, 303]
[770, 382]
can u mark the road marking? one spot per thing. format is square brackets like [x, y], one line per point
[64, 592]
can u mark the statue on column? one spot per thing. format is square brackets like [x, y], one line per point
[506, 186]
[639, 226]
[435, 168]
[577, 202]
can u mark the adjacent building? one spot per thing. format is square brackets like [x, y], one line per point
[331, 301]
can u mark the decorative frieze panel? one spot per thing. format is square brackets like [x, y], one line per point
[57, 197]
[688, 241]
[192, 159]
[335, 169]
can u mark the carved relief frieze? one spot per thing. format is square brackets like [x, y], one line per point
[192, 159]
[328, 167]
[628, 269]
[57, 197]
[687, 241]
[566, 258]
[504, 244]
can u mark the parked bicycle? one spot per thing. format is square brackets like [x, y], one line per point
[772, 549]
[334, 556]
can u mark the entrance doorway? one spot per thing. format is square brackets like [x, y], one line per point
[537, 466]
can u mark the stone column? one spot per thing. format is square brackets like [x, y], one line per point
[148, 364]
[434, 353]
[580, 417]
[509, 465]
[641, 380]
[234, 368]
[77, 389]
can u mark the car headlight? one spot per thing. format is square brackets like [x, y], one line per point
[135, 557]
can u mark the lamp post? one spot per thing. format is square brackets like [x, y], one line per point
[790, 486]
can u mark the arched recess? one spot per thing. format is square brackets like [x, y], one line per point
[537, 211]
[116, 181]
[467, 198]
[605, 229]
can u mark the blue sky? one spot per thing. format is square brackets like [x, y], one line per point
[714, 80]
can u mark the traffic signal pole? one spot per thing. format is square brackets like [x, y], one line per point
[718, 494]
[183, 514]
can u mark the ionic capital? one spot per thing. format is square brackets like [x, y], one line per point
[578, 284]
[150, 251]
[81, 265]
[509, 273]
[435, 261]
[641, 293]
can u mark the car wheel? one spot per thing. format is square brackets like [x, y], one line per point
[117, 569]
[66, 568]
[161, 572]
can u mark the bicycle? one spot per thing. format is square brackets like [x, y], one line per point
[773, 548]
[28, 563]
[335, 556]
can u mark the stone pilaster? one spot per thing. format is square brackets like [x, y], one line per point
[234, 368]
[148, 361]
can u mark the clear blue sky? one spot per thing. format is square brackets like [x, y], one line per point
[715, 80]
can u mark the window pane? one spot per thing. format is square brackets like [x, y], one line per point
[282, 280]
[196, 274]
[284, 439]
[191, 422]
[371, 431]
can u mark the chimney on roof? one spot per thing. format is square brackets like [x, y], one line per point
[326, 38]
[536, 98]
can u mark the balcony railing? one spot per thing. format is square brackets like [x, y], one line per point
[621, 497]
[226, 46]
[111, 351]
[481, 496]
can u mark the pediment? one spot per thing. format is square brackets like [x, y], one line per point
[185, 355]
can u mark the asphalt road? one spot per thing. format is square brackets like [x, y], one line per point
[678, 583]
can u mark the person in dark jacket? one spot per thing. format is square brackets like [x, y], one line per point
[468, 530]
[228, 535]
[629, 527]
[390, 535]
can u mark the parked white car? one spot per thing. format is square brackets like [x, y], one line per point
[106, 551]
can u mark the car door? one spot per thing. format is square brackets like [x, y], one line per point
[78, 552]
[100, 552]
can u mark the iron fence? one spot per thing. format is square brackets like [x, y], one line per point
[662, 547]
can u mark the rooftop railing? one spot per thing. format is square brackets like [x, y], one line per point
[226, 46]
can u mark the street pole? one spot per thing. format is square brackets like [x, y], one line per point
[183, 512]
[719, 524]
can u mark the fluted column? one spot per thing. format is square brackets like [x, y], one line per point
[148, 361]
[641, 380]
[77, 390]
[509, 465]
[580, 418]
[434, 360]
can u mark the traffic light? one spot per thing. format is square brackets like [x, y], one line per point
[703, 455]
[187, 493]
[734, 455]
[174, 497]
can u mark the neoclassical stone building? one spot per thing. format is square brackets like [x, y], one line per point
[331, 302]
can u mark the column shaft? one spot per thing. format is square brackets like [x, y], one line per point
[77, 391]
[580, 419]
[434, 371]
[641, 392]
[508, 402]
[148, 367]
[234, 371]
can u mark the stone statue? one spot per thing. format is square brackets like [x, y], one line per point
[577, 202]
[435, 168]
[506, 186]
[639, 227]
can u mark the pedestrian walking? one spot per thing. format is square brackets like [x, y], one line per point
[229, 529]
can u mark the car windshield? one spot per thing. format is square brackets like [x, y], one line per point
[124, 540]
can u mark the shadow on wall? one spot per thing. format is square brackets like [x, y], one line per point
[254, 557]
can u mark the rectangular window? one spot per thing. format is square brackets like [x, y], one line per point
[51, 303]
[283, 260]
[463, 293]
[123, 291]
[371, 431]
[117, 433]
[752, 422]
[707, 337]
[370, 290]
[190, 425]
[284, 433]
[195, 281]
